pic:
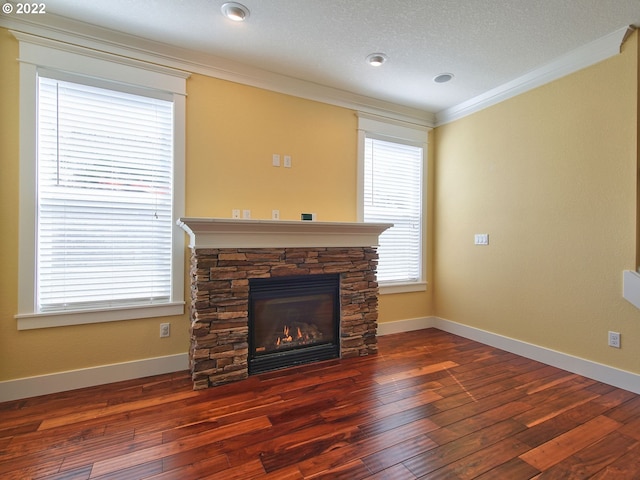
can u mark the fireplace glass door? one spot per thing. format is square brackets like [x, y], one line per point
[293, 320]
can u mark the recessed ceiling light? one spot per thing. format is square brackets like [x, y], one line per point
[376, 59]
[443, 78]
[235, 11]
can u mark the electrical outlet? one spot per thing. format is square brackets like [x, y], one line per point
[246, 214]
[275, 214]
[235, 213]
[614, 339]
[165, 330]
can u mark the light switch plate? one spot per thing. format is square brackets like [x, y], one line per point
[481, 239]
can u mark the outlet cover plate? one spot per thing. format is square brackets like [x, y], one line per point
[614, 339]
[165, 330]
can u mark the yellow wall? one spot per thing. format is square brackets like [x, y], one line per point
[551, 176]
[232, 132]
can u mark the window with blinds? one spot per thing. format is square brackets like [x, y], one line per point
[104, 197]
[393, 194]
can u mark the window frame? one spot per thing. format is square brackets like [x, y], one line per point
[38, 54]
[381, 128]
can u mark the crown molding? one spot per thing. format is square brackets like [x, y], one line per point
[580, 58]
[117, 43]
[100, 39]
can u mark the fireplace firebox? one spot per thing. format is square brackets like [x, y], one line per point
[293, 320]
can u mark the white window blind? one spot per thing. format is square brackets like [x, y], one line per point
[393, 194]
[104, 179]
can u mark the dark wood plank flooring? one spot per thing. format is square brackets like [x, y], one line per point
[430, 405]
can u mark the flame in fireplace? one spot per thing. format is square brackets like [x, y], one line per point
[293, 336]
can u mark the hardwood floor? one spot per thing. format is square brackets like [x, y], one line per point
[430, 405]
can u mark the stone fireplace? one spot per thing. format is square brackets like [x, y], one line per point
[229, 256]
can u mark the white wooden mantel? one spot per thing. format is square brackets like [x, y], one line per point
[242, 233]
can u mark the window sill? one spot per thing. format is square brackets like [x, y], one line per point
[391, 288]
[81, 317]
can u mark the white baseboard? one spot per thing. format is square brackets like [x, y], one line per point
[399, 326]
[612, 376]
[89, 377]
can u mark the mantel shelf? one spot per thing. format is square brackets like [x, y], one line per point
[242, 233]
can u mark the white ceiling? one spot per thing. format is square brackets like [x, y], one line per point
[484, 43]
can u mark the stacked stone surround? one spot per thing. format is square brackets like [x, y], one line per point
[220, 302]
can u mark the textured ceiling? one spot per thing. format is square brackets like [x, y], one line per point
[484, 43]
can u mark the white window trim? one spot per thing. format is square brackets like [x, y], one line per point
[39, 53]
[393, 130]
